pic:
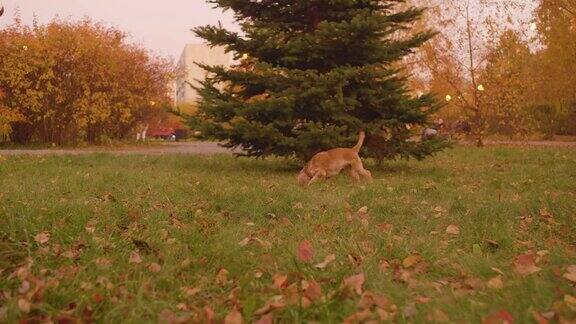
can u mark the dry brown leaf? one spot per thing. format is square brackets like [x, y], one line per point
[209, 315]
[329, 259]
[275, 303]
[280, 281]
[305, 252]
[42, 238]
[355, 282]
[359, 317]
[525, 265]
[266, 319]
[411, 260]
[135, 258]
[222, 277]
[245, 241]
[24, 305]
[154, 267]
[234, 317]
[190, 292]
[538, 318]
[570, 273]
[453, 229]
[502, 317]
[103, 262]
[570, 302]
[312, 290]
[383, 266]
[495, 283]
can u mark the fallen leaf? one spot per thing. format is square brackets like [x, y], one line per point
[42, 238]
[312, 290]
[190, 292]
[24, 305]
[103, 262]
[570, 301]
[525, 265]
[355, 282]
[154, 267]
[305, 252]
[502, 317]
[539, 318]
[245, 241]
[266, 319]
[280, 281]
[570, 273]
[411, 260]
[383, 266]
[222, 277]
[209, 315]
[135, 258]
[495, 283]
[166, 316]
[234, 317]
[329, 259]
[274, 304]
[453, 229]
[359, 317]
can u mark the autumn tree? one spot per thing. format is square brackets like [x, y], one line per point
[312, 74]
[455, 60]
[554, 101]
[69, 82]
[509, 84]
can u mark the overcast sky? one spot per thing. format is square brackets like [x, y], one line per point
[162, 26]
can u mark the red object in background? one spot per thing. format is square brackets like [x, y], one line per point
[162, 132]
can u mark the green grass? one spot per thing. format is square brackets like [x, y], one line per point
[189, 213]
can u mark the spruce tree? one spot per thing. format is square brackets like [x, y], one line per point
[311, 74]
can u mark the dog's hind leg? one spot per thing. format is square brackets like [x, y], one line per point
[354, 175]
[358, 168]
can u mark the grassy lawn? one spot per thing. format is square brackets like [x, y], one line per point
[460, 237]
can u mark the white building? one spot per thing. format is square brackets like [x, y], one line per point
[196, 53]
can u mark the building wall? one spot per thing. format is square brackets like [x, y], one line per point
[199, 53]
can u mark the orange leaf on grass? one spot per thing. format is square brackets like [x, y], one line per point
[453, 229]
[570, 273]
[305, 252]
[266, 319]
[234, 317]
[329, 259]
[222, 277]
[42, 238]
[355, 282]
[411, 260]
[154, 267]
[502, 317]
[280, 281]
[525, 265]
[135, 258]
[312, 290]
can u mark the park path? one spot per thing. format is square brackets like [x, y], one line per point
[161, 149]
[207, 148]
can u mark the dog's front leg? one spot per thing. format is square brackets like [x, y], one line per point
[319, 175]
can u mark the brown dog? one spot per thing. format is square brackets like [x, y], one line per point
[329, 163]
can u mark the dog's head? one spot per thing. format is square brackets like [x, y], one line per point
[303, 178]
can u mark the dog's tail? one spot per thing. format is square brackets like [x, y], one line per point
[360, 141]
